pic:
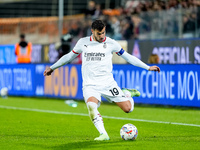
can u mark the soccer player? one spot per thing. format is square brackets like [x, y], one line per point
[97, 51]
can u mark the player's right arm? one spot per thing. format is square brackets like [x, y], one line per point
[61, 62]
[65, 59]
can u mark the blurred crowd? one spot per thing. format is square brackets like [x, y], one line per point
[140, 18]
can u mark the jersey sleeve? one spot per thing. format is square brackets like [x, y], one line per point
[64, 60]
[134, 61]
[78, 47]
[117, 48]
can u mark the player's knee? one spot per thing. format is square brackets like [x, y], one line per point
[127, 109]
[92, 99]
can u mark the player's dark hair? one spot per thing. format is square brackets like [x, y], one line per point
[98, 24]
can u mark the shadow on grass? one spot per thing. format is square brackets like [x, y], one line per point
[87, 145]
[97, 145]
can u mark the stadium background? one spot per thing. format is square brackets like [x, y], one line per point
[168, 28]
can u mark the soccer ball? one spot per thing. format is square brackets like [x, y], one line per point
[4, 92]
[129, 132]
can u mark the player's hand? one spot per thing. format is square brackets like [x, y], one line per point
[154, 68]
[48, 72]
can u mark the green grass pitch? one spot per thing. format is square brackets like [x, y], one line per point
[50, 124]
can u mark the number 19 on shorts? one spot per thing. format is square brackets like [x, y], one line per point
[114, 91]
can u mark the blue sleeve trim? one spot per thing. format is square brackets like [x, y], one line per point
[120, 52]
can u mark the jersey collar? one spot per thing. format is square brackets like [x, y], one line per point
[91, 39]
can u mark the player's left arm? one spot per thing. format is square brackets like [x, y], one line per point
[136, 62]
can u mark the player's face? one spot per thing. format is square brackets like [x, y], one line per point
[99, 36]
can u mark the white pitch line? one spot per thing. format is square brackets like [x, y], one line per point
[110, 117]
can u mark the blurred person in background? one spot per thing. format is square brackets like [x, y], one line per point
[75, 28]
[115, 25]
[23, 50]
[86, 31]
[153, 59]
[90, 11]
[98, 12]
[64, 46]
[188, 27]
[127, 29]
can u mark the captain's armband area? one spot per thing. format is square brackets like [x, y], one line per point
[120, 52]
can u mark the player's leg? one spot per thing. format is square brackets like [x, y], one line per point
[126, 106]
[93, 99]
[128, 94]
[95, 116]
[115, 94]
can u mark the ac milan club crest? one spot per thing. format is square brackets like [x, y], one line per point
[104, 45]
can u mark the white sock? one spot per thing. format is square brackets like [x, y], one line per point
[128, 95]
[96, 118]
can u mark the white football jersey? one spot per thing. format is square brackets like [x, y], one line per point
[97, 59]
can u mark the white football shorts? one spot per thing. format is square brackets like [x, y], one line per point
[112, 93]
